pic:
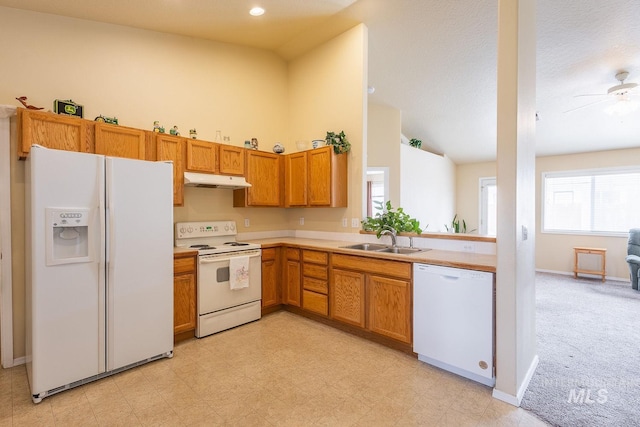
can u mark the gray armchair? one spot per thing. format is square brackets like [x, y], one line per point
[633, 256]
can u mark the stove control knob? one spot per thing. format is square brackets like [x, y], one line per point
[233, 226]
[181, 230]
[226, 227]
[190, 230]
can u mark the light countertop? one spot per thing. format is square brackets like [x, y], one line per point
[468, 260]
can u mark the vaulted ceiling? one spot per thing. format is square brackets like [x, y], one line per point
[434, 60]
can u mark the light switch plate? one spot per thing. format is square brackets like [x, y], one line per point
[246, 222]
[355, 222]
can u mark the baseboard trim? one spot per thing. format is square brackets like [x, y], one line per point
[19, 361]
[517, 399]
[570, 273]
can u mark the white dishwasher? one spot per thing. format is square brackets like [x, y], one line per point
[453, 320]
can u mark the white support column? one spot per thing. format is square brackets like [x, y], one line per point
[516, 357]
[6, 294]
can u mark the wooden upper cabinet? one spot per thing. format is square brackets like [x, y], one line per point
[232, 160]
[327, 174]
[51, 130]
[201, 156]
[263, 172]
[119, 141]
[173, 148]
[295, 179]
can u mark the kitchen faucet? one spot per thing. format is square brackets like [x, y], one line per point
[391, 232]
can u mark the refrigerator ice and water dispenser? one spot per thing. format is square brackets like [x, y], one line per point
[68, 236]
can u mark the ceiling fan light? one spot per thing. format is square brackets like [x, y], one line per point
[622, 107]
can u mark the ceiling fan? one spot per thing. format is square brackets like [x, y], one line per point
[621, 94]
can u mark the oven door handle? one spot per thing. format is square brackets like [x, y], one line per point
[206, 260]
[212, 260]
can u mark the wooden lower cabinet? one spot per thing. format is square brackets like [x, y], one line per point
[370, 294]
[292, 277]
[348, 297]
[315, 281]
[373, 294]
[271, 277]
[390, 307]
[184, 295]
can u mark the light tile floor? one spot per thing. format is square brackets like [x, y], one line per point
[283, 370]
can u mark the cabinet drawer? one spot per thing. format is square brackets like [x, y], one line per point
[315, 257]
[184, 265]
[293, 253]
[315, 302]
[316, 285]
[399, 269]
[268, 254]
[317, 271]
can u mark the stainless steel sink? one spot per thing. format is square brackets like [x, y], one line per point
[374, 247]
[366, 246]
[400, 250]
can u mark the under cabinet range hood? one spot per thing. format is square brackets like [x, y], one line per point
[214, 181]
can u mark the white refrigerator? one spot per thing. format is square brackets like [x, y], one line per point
[99, 266]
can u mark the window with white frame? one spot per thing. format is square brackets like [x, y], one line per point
[596, 201]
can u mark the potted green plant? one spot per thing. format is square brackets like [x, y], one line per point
[456, 227]
[339, 141]
[390, 219]
[414, 142]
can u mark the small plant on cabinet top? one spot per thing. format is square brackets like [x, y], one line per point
[339, 141]
[417, 143]
[456, 227]
[396, 220]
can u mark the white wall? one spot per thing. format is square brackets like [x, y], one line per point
[384, 125]
[554, 252]
[140, 76]
[427, 187]
[327, 92]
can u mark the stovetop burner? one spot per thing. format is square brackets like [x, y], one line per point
[202, 247]
[236, 244]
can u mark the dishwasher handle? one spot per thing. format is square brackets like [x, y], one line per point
[449, 273]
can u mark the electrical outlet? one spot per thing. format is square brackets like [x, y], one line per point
[344, 222]
[355, 222]
[246, 222]
[469, 247]
[226, 138]
[301, 221]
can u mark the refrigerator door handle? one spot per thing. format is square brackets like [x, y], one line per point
[110, 254]
[111, 241]
[102, 302]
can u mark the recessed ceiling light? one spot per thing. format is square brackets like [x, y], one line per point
[256, 11]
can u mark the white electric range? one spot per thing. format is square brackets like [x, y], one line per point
[223, 300]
